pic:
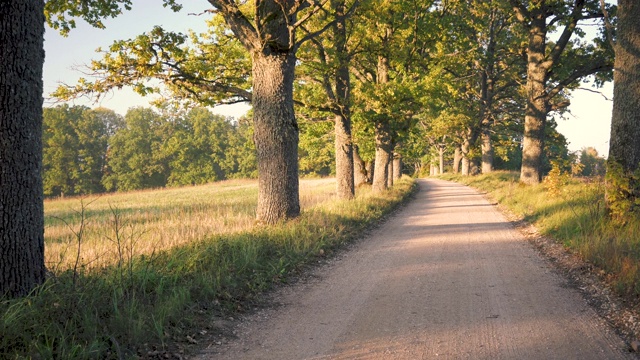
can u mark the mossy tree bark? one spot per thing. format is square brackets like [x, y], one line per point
[21, 194]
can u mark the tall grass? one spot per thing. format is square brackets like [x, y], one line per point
[150, 283]
[156, 219]
[572, 211]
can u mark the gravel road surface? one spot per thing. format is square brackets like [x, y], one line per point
[447, 277]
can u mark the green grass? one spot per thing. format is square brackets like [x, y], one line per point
[145, 297]
[572, 212]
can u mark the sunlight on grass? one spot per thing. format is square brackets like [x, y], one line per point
[573, 213]
[155, 220]
[155, 266]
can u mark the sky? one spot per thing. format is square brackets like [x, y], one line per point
[588, 123]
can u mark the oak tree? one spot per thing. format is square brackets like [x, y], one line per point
[266, 30]
[21, 195]
[623, 179]
[554, 66]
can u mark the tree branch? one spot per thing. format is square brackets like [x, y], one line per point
[522, 14]
[577, 74]
[608, 26]
[239, 23]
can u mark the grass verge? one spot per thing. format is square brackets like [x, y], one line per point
[139, 306]
[572, 212]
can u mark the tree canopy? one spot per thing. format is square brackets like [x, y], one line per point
[453, 76]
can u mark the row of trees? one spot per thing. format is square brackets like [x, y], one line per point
[465, 72]
[89, 151]
[96, 150]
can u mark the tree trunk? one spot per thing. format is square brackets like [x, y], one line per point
[457, 156]
[466, 163]
[441, 158]
[624, 145]
[536, 109]
[487, 153]
[397, 167]
[383, 156]
[360, 175]
[21, 194]
[384, 146]
[343, 143]
[345, 183]
[275, 136]
[370, 169]
[390, 171]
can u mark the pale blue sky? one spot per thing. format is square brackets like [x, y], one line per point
[589, 124]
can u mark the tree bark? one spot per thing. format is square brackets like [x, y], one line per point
[457, 156]
[370, 167]
[360, 175]
[390, 171]
[384, 147]
[271, 44]
[345, 182]
[536, 109]
[383, 156]
[487, 153]
[464, 152]
[21, 193]
[441, 158]
[275, 136]
[343, 141]
[624, 145]
[397, 167]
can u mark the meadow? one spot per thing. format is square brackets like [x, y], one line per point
[145, 222]
[572, 211]
[142, 274]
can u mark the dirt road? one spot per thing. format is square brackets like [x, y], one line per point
[446, 277]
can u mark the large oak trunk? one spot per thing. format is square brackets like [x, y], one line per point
[536, 109]
[624, 146]
[21, 195]
[344, 145]
[275, 136]
[345, 182]
[345, 186]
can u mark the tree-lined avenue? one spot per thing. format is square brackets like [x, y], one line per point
[446, 277]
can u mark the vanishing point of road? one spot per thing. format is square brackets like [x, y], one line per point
[446, 277]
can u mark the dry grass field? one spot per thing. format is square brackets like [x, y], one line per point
[145, 222]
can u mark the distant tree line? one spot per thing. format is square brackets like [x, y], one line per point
[89, 151]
